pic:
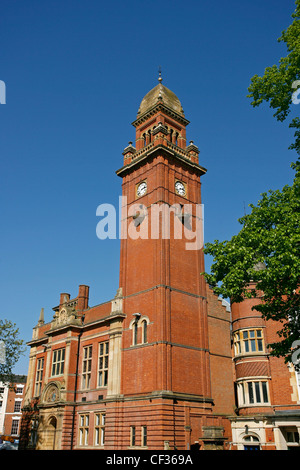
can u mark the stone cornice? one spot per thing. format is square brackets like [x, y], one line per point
[52, 331]
[170, 152]
[160, 107]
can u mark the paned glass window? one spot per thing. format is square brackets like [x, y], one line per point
[87, 366]
[58, 362]
[103, 364]
[248, 341]
[99, 429]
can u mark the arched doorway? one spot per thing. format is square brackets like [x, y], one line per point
[51, 433]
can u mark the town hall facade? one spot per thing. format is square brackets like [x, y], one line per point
[165, 364]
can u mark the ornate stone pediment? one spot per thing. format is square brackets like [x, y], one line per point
[66, 315]
[51, 393]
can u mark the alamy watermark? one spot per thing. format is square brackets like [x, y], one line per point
[2, 92]
[296, 353]
[160, 220]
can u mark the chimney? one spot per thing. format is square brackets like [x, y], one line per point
[83, 297]
[63, 299]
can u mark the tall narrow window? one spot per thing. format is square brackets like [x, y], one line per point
[86, 367]
[144, 436]
[83, 429]
[257, 392]
[259, 340]
[14, 427]
[135, 332]
[250, 391]
[265, 392]
[144, 331]
[58, 362]
[39, 377]
[132, 436]
[103, 364]
[17, 406]
[241, 394]
[99, 429]
[246, 341]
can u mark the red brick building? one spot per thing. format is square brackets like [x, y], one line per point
[152, 368]
[268, 390]
[11, 403]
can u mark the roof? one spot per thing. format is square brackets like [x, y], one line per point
[160, 94]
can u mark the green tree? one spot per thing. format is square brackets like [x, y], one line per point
[11, 348]
[279, 85]
[270, 235]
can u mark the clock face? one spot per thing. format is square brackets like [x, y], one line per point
[180, 188]
[141, 189]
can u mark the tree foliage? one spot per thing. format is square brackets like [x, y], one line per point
[270, 235]
[277, 85]
[11, 349]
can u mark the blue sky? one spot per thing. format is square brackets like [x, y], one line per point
[75, 73]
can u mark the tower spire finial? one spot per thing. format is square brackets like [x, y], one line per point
[159, 74]
[41, 319]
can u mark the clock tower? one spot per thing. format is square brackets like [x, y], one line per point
[151, 368]
[165, 365]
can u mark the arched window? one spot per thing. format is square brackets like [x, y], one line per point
[251, 443]
[135, 332]
[139, 327]
[144, 331]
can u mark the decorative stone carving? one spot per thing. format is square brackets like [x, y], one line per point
[117, 302]
[66, 315]
[51, 393]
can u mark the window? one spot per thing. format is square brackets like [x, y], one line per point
[252, 393]
[292, 436]
[58, 362]
[176, 138]
[99, 429]
[19, 390]
[144, 331]
[14, 427]
[103, 364]
[39, 376]
[139, 328]
[135, 332]
[248, 341]
[17, 407]
[132, 436]
[86, 367]
[144, 436]
[251, 443]
[83, 429]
